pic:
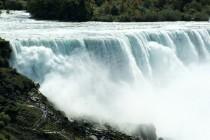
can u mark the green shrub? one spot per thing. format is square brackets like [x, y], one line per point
[170, 15]
[1, 6]
[150, 15]
[206, 9]
[99, 2]
[13, 5]
[201, 16]
[4, 119]
[115, 10]
[187, 17]
[120, 10]
[2, 124]
[2, 137]
[72, 10]
[194, 5]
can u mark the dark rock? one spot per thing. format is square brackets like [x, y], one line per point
[5, 52]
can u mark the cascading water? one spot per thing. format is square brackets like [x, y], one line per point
[122, 73]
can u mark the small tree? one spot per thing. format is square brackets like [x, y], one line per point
[4, 120]
[115, 11]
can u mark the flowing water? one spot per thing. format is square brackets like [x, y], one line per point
[125, 74]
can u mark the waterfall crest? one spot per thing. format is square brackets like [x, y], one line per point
[130, 55]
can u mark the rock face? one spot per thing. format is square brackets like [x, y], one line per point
[25, 114]
[5, 52]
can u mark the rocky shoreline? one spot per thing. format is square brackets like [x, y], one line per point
[25, 114]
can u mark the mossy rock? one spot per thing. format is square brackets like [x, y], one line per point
[28, 115]
[14, 82]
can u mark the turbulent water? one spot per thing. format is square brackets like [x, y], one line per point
[125, 74]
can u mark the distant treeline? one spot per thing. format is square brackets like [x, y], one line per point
[13, 4]
[119, 10]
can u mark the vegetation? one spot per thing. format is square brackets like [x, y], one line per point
[120, 10]
[13, 4]
[113, 10]
[73, 10]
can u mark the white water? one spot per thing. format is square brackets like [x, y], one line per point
[122, 73]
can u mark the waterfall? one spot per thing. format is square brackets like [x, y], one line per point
[121, 73]
[129, 56]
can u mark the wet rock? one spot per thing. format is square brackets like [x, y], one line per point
[93, 137]
[146, 132]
